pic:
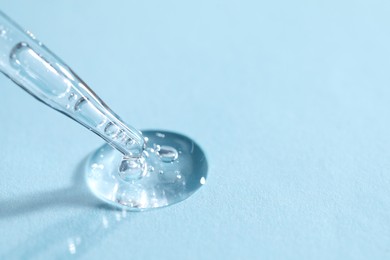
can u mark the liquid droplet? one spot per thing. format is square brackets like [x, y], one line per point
[132, 169]
[167, 153]
[163, 184]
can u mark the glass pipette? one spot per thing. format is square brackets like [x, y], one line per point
[27, 62]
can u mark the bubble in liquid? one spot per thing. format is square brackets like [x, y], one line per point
[163, 183]
[79, 104]
[130, 144]
[111, 129]
[132, 169]
[72, 97]
[121, 135]
[167, 153]
[102, 122]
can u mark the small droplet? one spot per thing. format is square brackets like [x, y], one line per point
[167, 153]
[151, 169]
[132, 168]
[161, 172]
[72, 97]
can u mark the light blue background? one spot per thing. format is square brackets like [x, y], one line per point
[289, 99]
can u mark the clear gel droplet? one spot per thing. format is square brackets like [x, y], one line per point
[149, 183]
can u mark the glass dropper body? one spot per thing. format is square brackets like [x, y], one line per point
[28, 63]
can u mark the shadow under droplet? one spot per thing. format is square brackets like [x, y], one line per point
[71, 236]
[76, 195]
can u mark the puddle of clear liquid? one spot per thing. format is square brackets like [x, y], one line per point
[156, 181]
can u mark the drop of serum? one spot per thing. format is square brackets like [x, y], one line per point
[160, 177]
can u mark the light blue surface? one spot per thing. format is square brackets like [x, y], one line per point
[289, 99]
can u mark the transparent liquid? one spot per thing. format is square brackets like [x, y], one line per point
[174, 167]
